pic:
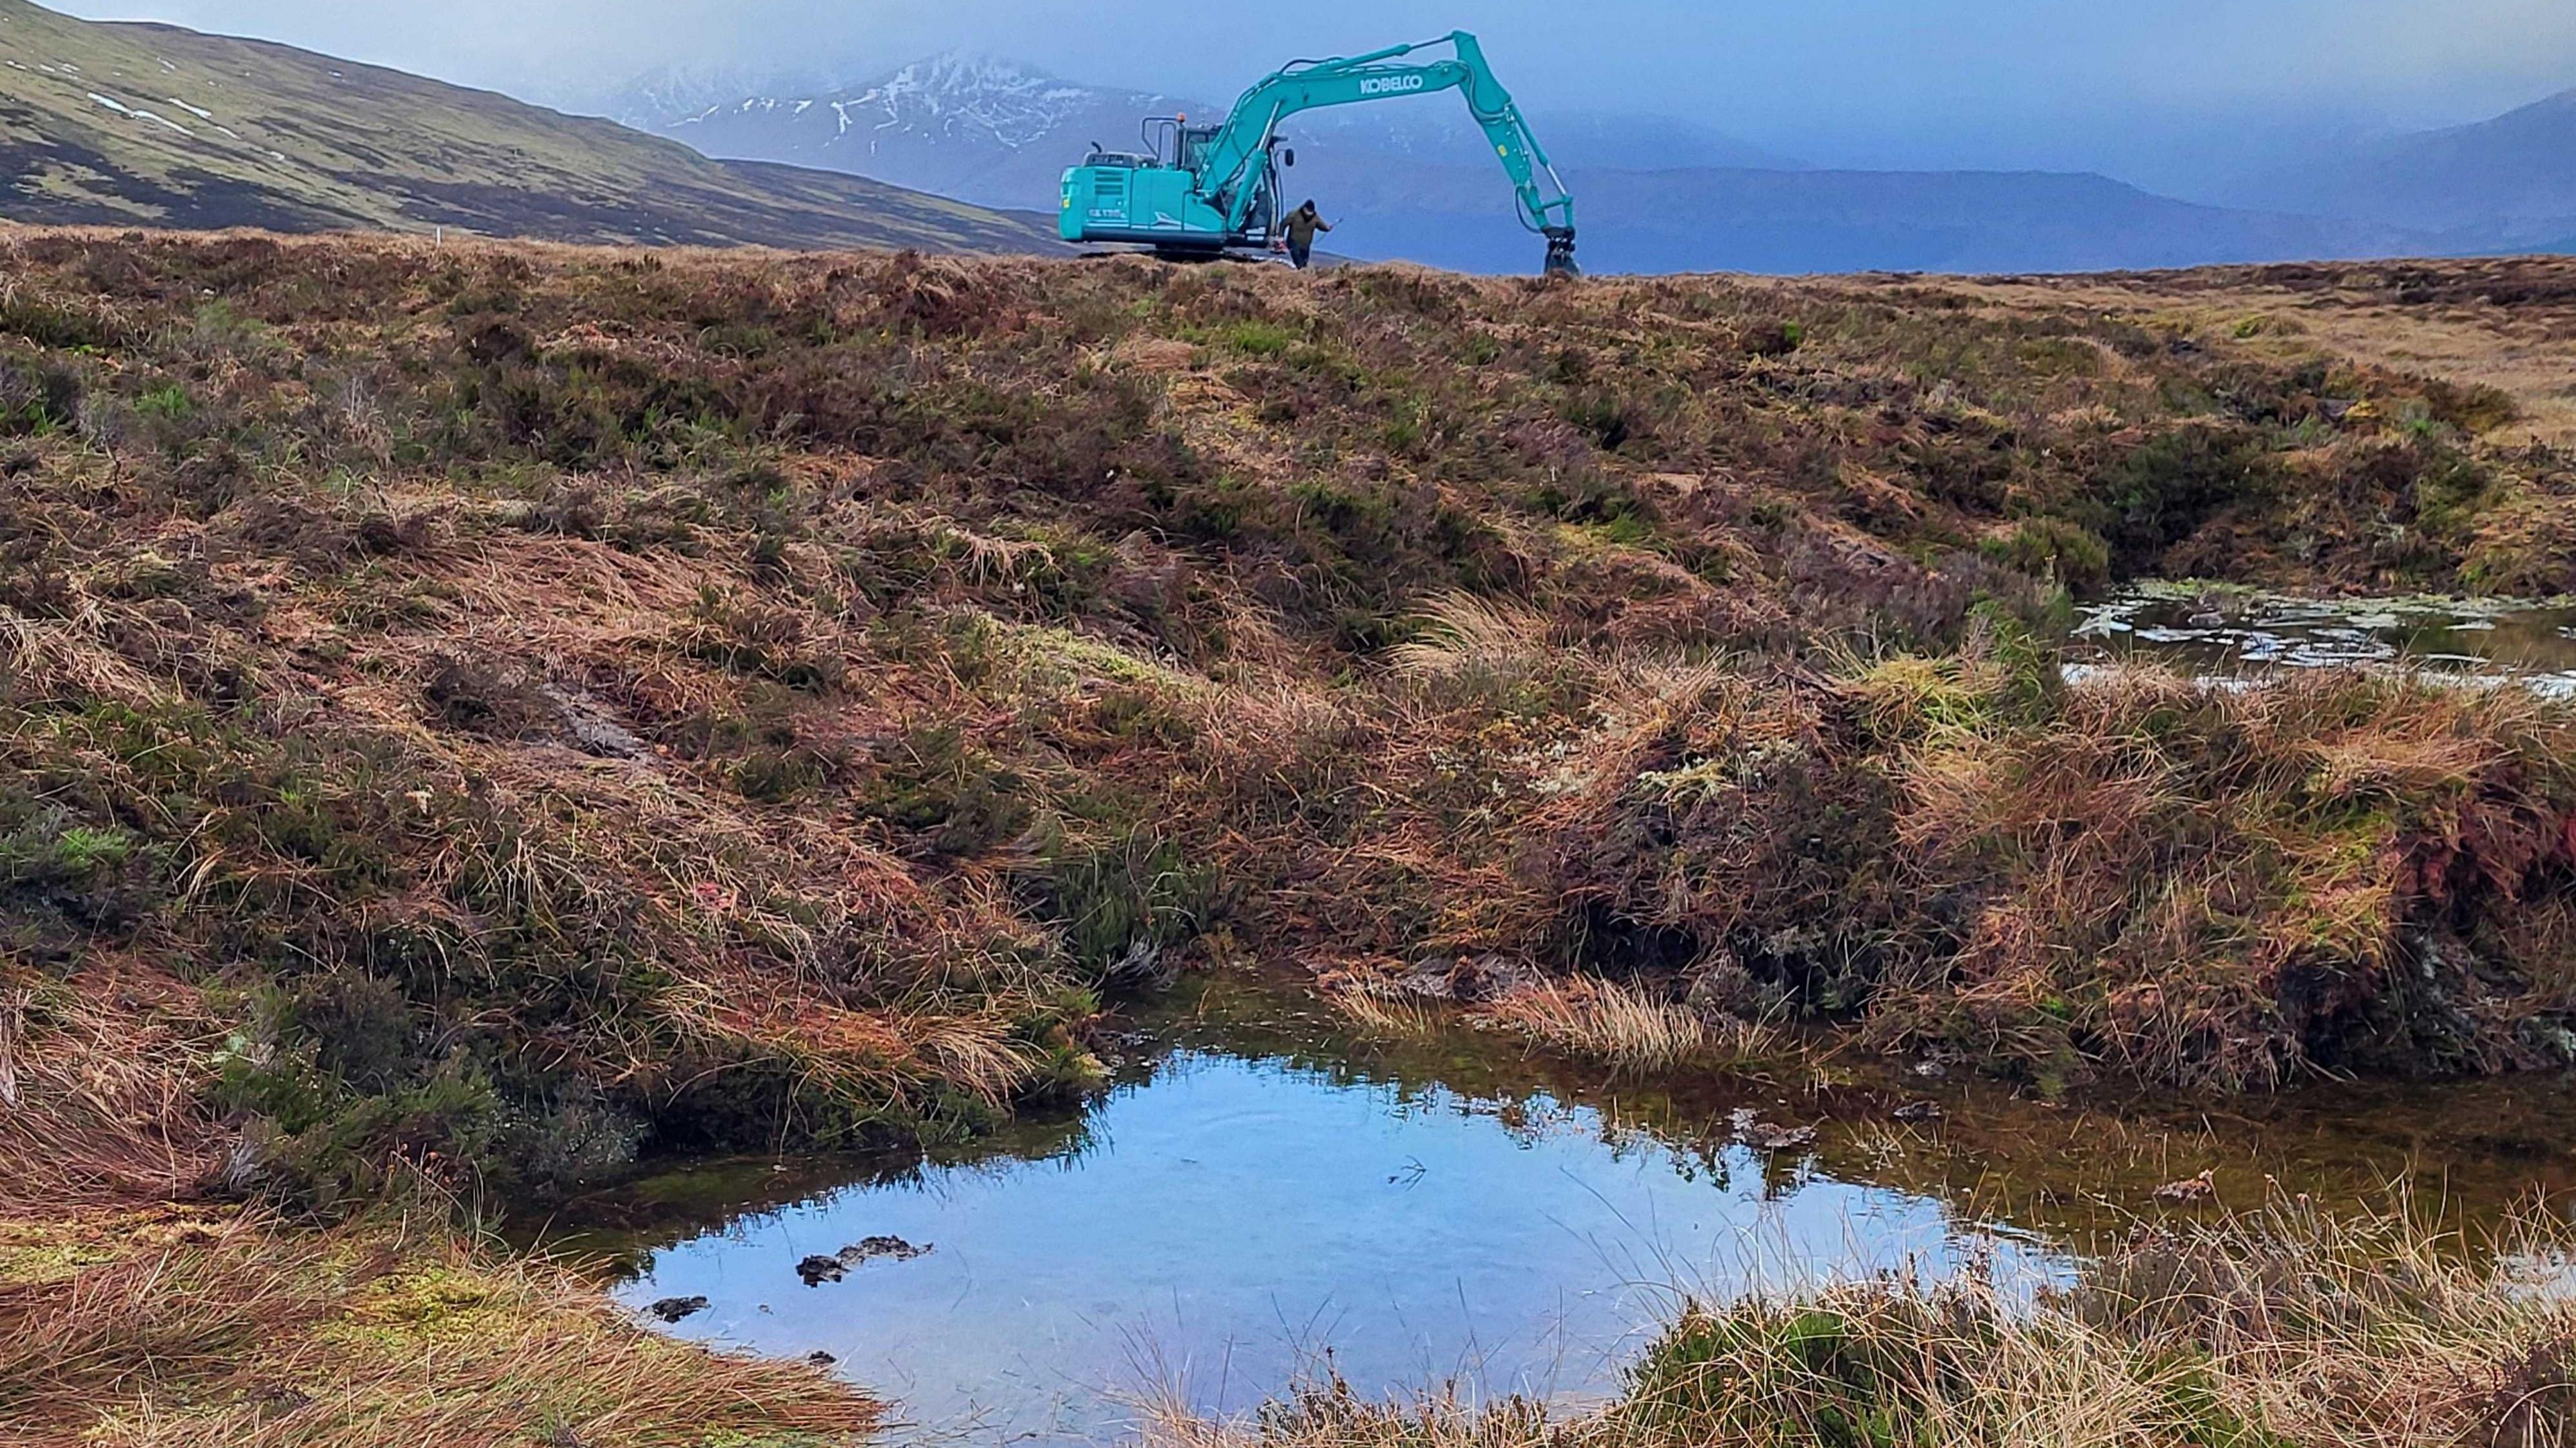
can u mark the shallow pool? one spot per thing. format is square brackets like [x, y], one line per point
[2234, 633]
[1215, 1230]
[1267, 1194]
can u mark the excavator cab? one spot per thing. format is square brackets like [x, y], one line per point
[1150, 199]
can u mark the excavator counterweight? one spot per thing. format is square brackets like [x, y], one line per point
[1199, 191]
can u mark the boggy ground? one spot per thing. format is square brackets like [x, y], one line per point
[471, 717]
[2280, 1327]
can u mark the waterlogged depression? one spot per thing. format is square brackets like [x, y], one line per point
[1211, 1231]
[1263, 1189]
[1265, 1196]
[2234, 634]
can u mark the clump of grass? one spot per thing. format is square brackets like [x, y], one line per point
[1474, 642]
[237, 1332]
[2280, 1328]
[1621, 1026]
[1376, 1015]
[2164, 867]
[99, 1092]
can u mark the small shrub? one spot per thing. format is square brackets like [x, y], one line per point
[477, 697]
[46, 849]
[38, 400]
[948, 798]
[2056, 551]
[762, 640]
[2471, 408]
[1609, 418]
[1775, 339]
[2167, 488]
[1259, 339]
[773, 776]
[1126, 909]
[53, 324]
[172, 403]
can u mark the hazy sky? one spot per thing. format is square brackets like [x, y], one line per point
[2151, 89]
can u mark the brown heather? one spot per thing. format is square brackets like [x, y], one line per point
[471, 717]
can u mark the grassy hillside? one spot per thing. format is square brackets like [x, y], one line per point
[469, 719]
[151, 125]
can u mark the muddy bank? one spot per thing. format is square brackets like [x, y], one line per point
[1973, 860]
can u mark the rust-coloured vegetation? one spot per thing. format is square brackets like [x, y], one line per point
[469, 717]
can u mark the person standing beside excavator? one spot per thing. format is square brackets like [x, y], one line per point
[1301, 226]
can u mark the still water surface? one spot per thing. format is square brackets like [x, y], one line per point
[1218, 1227]
[2234, 633]
[1262, 1189]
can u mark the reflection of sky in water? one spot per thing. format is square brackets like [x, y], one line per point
[2228, 634]
[1232, 1219]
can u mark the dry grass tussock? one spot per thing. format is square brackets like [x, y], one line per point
[1623, 1027]
[1377, 1016]
[240, 1333]
[134, 1310]
[2283, 1329]
[2215, 885]
[99, 1083]
[1466, 637]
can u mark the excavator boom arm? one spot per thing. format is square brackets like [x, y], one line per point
[1234, 160]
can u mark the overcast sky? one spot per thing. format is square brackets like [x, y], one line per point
[2151, 89]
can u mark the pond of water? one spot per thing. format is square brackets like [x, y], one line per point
[1264, 1194]
[2233, 633]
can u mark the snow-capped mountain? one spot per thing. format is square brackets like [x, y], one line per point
[999, 132]
[653, 99]
[975, 127]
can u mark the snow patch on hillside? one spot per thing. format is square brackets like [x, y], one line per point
[959, 99]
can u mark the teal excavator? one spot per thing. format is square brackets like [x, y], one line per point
[1200, 191]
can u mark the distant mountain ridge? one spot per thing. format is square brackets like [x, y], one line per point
[2511, 179]
[1843, 221]
[1412, 180]
[127, 124]
[975, 127]
[145, 124]
[1000, 132]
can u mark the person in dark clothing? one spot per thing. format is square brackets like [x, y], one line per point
[1301, 226]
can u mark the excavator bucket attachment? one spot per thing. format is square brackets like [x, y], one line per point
[1560, 252]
